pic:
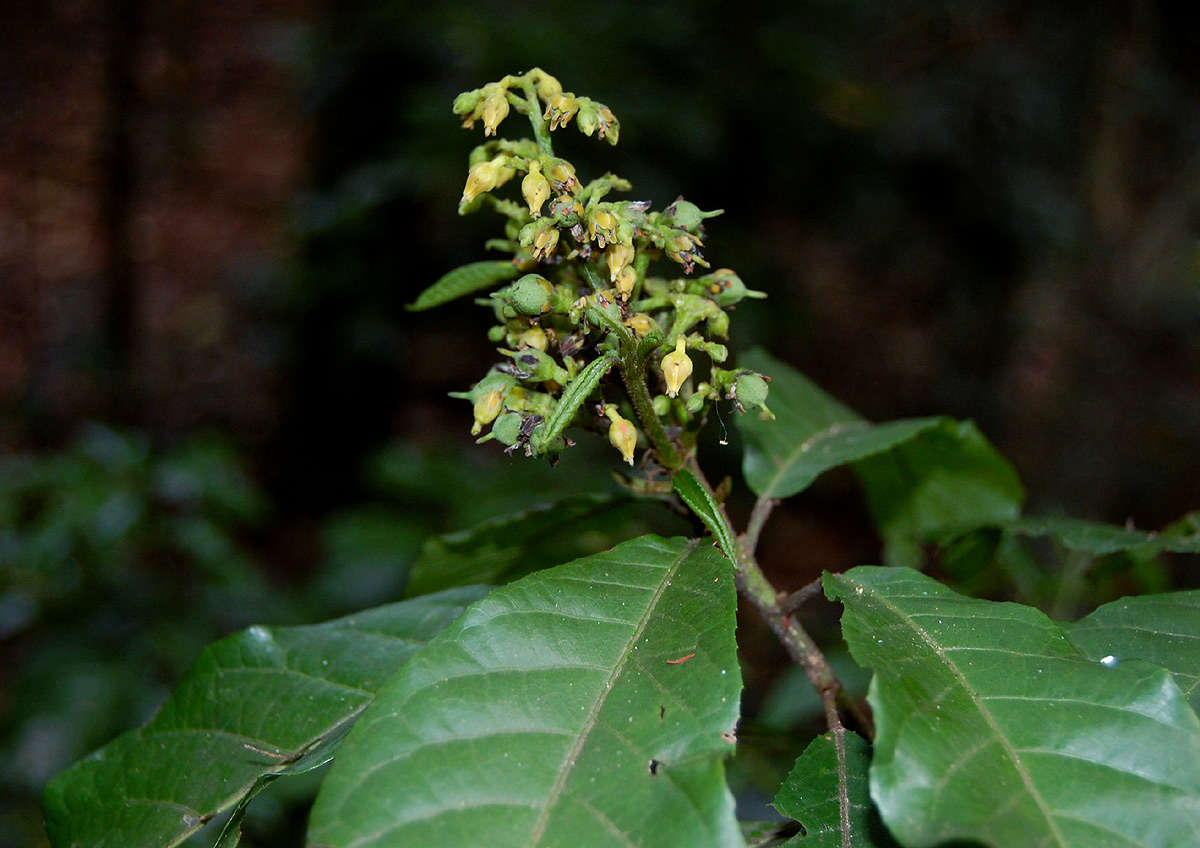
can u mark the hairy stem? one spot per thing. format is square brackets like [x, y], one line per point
[634, 375]
[541, 132]
[758, 517]
[753, 585]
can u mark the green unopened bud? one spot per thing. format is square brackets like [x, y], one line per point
[676, 367]
[533, 364]
[530, 295]
[466, 102]
[750, 392]
[688, 216]
[621, 433]
[727, 288]
[535, 188]
[486, 410]
[587, 121]
[718, 325]
[661, 405]
[495, 110]
[507, 428]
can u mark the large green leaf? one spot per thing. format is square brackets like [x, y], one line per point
[506, 548]
[1162, 629]
[591, 704]
[919, 474]
[947, 476]
[991, 726]
[464, 280]
[261, 703]
[809, 795]
[1099, 539]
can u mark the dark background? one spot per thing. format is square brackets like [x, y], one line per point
[214, 409]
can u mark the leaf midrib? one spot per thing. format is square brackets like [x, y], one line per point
[589, 723]
[977, 699]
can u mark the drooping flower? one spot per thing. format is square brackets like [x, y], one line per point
[676, 367]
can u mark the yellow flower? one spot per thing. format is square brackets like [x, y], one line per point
[495, 110]
[602, 227]
[626, 282]
[640, 323]
[561, 109]
[534, 337]
[563, 174]
[621, 433]
[619, 256]
[544, 244]
[536, 189]
[482, 177]
[486, 410]
[676, 367]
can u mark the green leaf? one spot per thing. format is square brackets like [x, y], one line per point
[573, 396]
[948, 476]
[706, 509]
[511, 546]
[991, 726]
[262, 703]
[918, 474]
[1099, 539]
[809, 795]
[465, 279]
[591, 704]
[1162, 629]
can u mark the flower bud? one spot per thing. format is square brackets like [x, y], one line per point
[482, 177]
[547, 86]
[661, 405]
[621, 433]
[626, 282]
[544, 244]
[495, 110]
[618, 256]
[727, 288]
[750, 391]
[676, 367]
[562, 173]
[507, 428]
[535, 188]
[534, 337]
[530, 295]
[486, 410]
[466, 102]
[641, 324]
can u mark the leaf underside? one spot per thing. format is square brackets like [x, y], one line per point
[991, 726]
[549, 714]
[463, 280]
[261, 703]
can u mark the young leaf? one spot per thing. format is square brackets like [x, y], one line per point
[947, 476]
[1162, 629]
[991, 726]
[706, 509]
[262, 703]
[573, 396]
[464, 279]
[809, 795]
[511, 546]
[558, 711]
